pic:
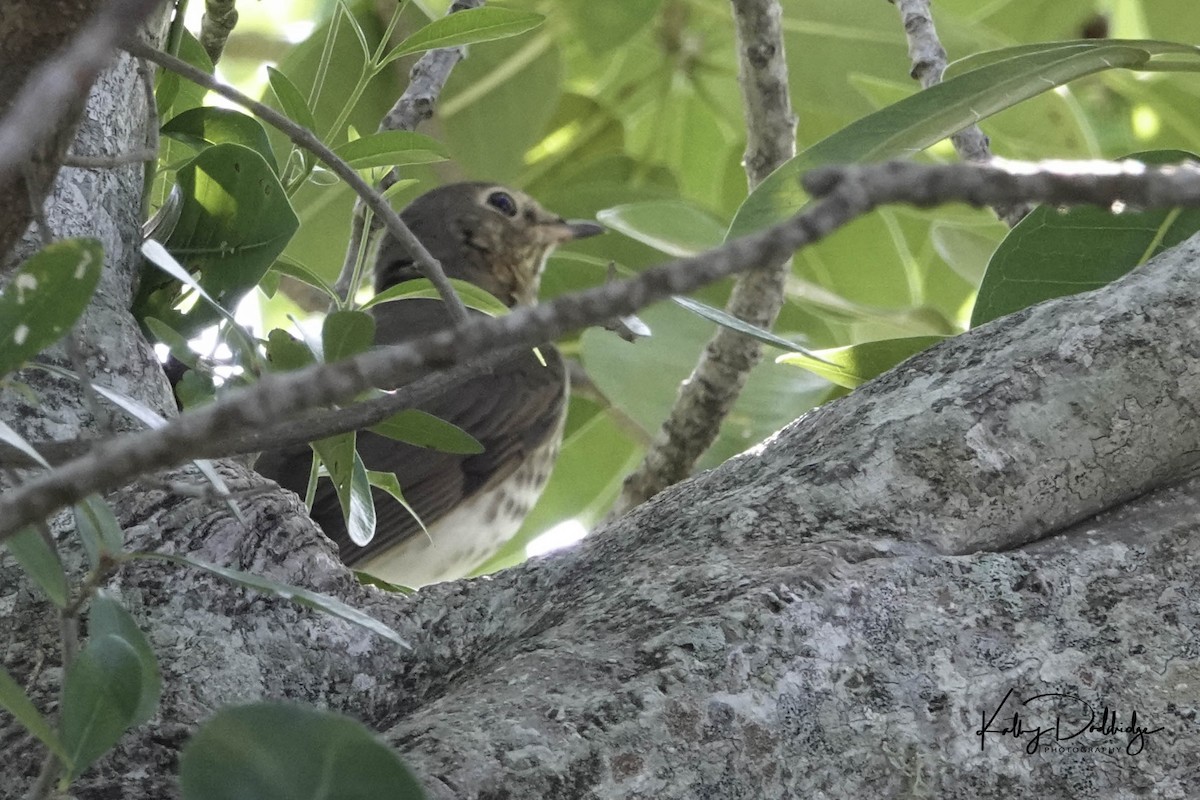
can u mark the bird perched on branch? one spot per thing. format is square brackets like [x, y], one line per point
[497, 239]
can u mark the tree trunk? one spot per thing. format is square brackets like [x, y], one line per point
[835, 613]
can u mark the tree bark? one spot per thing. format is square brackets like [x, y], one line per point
[830, 614]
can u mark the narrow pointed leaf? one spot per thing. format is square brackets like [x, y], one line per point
[304, 597]
[41, 564]
[467, 27]
[855, 365]
[16, 702]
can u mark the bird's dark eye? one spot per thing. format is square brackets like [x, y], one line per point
[503, 202]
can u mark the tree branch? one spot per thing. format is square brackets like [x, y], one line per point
[929, 60]
[305, 138]
[846, 193]
[63, 82]
[425, 83]
[708, 394]
[220, 17]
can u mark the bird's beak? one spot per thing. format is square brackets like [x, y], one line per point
[582, 228]
[569, 230]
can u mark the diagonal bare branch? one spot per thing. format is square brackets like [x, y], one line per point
[846, 193]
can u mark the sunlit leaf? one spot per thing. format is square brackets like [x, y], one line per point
[467, 27]
[209, 125]
[391, 149]
[855, 365]
[471, 295]
[934, 114]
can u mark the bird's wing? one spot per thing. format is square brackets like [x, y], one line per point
[510, 410]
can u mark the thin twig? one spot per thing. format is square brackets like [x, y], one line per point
[305, 138]
[929, 61]
[709, 393]
[845, 193]
[425, 82]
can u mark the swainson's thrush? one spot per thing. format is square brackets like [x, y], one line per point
[498, 239]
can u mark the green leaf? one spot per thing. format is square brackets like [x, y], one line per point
[673, 227]
[345, 334]
[173, 92]
[392, 149]
[277, 751]
[425, 430]
[965, 249]
[930, 116]
[294, 269]
[741, 326]
[16, 440]
[349, 476]
[606, 27]
[98, 528]
[471, 295]
[174, 341]
[467, 27]
[304, 597]
[642, 380]
[291, 100]
[234, 222]
[195, 390]
[388, 482]
[45, 297]
[41, 563]
[1053, 253]
[106, 617]
[286, 352]
[102, 695]
[1155, 47]
[209, 125]
[855, 365]
[16, 702]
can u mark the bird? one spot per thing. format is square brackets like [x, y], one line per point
[498, 239]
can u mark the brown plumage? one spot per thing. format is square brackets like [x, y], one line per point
[498, 239]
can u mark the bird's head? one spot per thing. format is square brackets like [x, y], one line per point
[494, 237]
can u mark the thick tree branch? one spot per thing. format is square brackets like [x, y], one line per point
[846, 192]
[63, 82]
[706, 397]
[305, 138]
[53, 52]
[929, 61]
